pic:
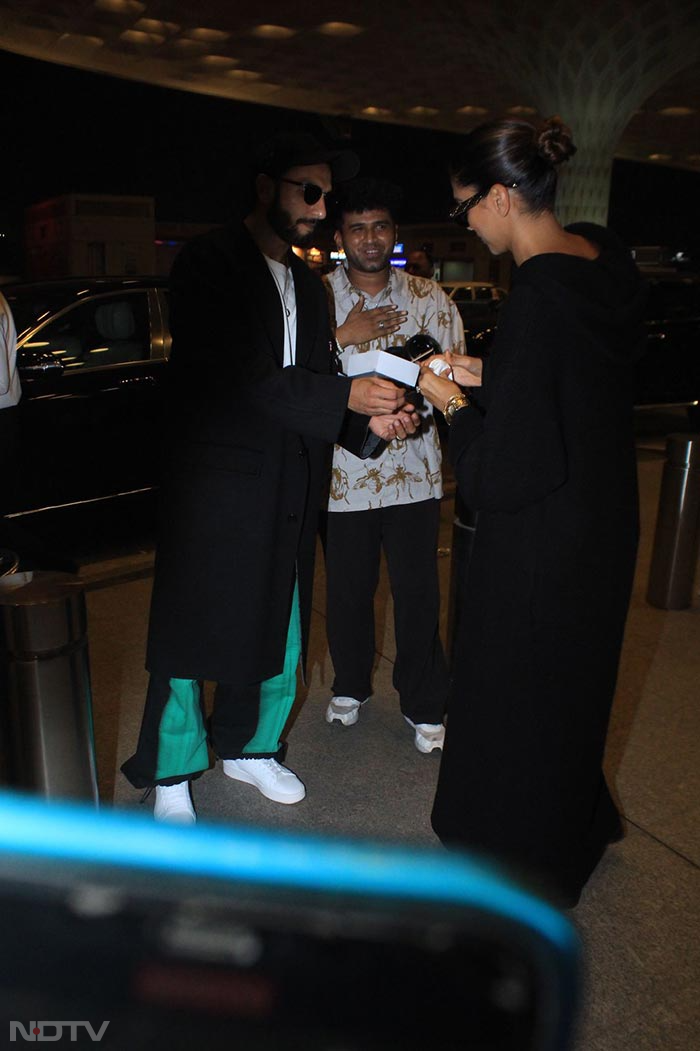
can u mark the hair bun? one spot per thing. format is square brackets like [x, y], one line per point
[554, 142]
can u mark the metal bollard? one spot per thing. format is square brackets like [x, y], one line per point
[462, 541]
[46, 734]
[675, 555]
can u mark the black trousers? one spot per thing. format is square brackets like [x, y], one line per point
[408, 533]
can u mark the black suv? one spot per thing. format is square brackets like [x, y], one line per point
[477, 303]
[91, 355]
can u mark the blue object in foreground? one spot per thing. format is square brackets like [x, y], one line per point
[433, 939]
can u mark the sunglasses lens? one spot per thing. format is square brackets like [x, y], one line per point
[460, 214]
[312, 193]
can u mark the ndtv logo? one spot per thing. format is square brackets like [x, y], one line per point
[40, 1030]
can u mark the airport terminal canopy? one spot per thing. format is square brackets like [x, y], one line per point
[624, 73]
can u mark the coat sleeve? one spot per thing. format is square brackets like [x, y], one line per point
[318, 407]
[514, 455]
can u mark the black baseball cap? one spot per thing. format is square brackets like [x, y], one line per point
[297, 149]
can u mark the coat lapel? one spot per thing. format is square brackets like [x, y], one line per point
[266, 303]
[267, 308]
[261, 301]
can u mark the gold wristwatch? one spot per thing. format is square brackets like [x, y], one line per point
[453, 405]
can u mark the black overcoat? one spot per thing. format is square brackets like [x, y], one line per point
[248, 448]
[551, 470]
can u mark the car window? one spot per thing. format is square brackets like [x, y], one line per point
[106, 330]
[28, 308]
[462, 295]
[483, 294]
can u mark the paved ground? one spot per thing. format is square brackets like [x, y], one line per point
[640, 915]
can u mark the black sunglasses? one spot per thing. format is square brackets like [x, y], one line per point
[460, 213]
[311, 191]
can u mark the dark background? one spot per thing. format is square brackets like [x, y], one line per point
[66, 130]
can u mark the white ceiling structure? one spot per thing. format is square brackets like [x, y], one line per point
[447, 65]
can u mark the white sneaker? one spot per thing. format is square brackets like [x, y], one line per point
[428, 735]
[345, 710]
[275, 781]
[174, 803]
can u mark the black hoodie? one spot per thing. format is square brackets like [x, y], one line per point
[550, 467]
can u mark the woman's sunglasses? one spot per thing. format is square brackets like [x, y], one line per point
[460, 212]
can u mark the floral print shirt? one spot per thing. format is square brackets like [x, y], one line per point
[407, 470]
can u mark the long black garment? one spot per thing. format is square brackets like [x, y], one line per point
[550, 467]
[249, 445]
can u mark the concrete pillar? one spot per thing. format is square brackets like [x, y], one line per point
[593, 65]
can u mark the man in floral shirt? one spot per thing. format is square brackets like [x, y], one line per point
[391, 501]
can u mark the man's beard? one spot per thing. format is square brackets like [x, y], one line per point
[286, 229]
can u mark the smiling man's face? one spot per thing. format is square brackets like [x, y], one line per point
[368, 239]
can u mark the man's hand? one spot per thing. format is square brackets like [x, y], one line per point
[372, 396]
[398, 425]
[361, 326]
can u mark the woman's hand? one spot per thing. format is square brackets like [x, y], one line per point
[398, 425]
[465, 369]
[436, 389]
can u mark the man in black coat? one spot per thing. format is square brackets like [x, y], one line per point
[256, 405]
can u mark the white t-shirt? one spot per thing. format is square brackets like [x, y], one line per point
[10, 390]
[284, 279]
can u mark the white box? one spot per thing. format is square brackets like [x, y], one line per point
[380, 363]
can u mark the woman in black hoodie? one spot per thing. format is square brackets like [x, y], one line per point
[545, 454]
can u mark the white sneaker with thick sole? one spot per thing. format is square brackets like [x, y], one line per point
[345, 710]
[174, 803]
[428, 735]
[270, 778]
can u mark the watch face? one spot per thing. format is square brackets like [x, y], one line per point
[456, 402]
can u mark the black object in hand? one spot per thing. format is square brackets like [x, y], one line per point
[421, 346]
[413, 398]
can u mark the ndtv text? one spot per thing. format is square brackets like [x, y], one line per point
[52, 1031]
